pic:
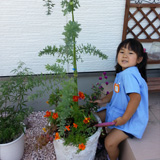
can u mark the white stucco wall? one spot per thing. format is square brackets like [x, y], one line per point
[25, 29]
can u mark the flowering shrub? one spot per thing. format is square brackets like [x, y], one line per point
[97, 93]
[98, 88]
[13, 103]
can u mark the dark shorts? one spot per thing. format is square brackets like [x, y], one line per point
[129, 135]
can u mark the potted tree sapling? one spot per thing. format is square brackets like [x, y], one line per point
[13, 111]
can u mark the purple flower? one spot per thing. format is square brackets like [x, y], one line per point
[107, 92]
[107, 83]
[94, 97]
[105, 77]
[104, 73]
[97, 84]
[100, 78]
[100, 87]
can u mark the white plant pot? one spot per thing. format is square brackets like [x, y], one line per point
[13, 150]
[70, 152]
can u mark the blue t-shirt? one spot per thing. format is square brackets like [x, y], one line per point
[129, 81]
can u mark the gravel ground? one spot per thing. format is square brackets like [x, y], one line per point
[36, 121]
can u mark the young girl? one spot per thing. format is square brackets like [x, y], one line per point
[128, 102]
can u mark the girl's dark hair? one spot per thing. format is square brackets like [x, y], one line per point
[136, 46]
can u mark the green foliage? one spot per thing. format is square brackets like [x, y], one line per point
[13, 98]
[57, 69]
[49, 4]
[97, 93]
[66, 98]
[70, 6]
[54, 97]
[65, 104]
[70, 52]
[89, 49]
[72, 29]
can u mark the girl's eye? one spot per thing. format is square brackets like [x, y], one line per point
[121, 52]
[130, 52]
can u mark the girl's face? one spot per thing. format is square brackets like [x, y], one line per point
[127, 58]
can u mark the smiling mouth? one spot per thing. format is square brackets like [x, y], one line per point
[124, 61]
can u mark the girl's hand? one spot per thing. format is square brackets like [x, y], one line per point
[104, 100]
[98, 101]
[119, 121]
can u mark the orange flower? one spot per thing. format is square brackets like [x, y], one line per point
[86, 120]
[47, 102]
[75, 125]
[81, 95]
[48, 114]
[57, 136]
[55, 115]
[75, 98]
[82, 146]
[68, 128]
[44, 129]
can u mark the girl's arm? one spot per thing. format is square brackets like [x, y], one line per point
[133, 104]
[105, 99]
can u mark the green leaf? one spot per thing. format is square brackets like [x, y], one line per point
[49, 4]
[69, 6]
[89, 49]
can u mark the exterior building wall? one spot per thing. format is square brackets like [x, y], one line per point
[25, 29]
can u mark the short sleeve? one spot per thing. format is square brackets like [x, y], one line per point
[131, 84]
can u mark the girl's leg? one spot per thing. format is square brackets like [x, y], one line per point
[102, 115]
[113, 139]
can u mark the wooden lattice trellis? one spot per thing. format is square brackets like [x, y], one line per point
[138, 7]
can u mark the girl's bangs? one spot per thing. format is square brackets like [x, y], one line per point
[130, 46]
[127, 46]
